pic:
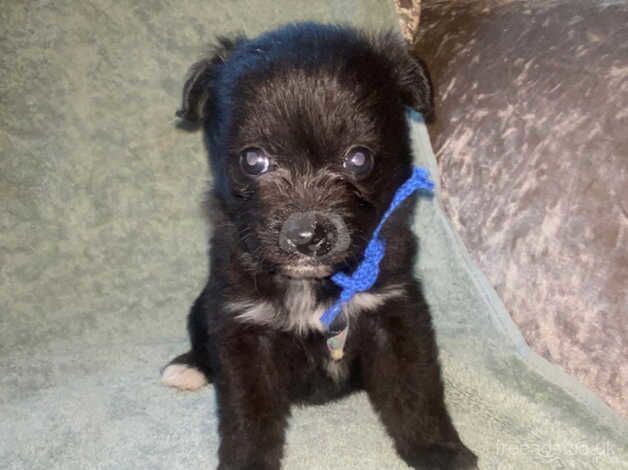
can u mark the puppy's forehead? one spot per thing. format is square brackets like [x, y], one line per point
[318, 106]
[296, 106]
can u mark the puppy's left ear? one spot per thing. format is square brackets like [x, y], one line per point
[413, 77]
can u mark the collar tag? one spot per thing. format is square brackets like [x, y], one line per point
[336, 343]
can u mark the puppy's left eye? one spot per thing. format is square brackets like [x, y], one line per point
[358, 161]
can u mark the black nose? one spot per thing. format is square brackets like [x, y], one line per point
[309, 233]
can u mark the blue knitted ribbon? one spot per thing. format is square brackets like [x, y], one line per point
[365, 275]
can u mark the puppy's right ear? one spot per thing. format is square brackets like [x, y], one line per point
[199, 82]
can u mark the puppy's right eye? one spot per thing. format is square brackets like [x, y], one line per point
[254, 161]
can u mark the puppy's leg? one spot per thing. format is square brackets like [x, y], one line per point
[191, 371]
[402, 378]
[253, 402]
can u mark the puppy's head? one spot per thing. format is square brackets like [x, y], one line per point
[308, 141]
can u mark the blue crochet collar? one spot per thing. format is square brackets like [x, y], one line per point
[367, 272]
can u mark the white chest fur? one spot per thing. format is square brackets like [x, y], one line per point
[299, 310]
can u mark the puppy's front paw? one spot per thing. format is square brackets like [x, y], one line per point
[183, 377]
[465, 460]
[444, 457]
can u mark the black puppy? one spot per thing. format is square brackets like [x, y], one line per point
[308, 141]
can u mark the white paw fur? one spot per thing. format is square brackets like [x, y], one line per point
[183, 377]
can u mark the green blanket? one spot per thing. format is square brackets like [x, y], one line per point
[103, 249]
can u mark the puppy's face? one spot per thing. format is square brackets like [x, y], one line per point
[308, 142]
[309, 159]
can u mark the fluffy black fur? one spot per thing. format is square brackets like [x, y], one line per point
[306, 94]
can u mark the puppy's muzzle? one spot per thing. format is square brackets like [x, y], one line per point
[314, 234]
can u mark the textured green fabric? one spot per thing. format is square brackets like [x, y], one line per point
[102, 250]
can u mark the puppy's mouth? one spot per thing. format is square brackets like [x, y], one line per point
[305, 271]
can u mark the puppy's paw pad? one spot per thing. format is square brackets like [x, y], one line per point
[183, 377]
